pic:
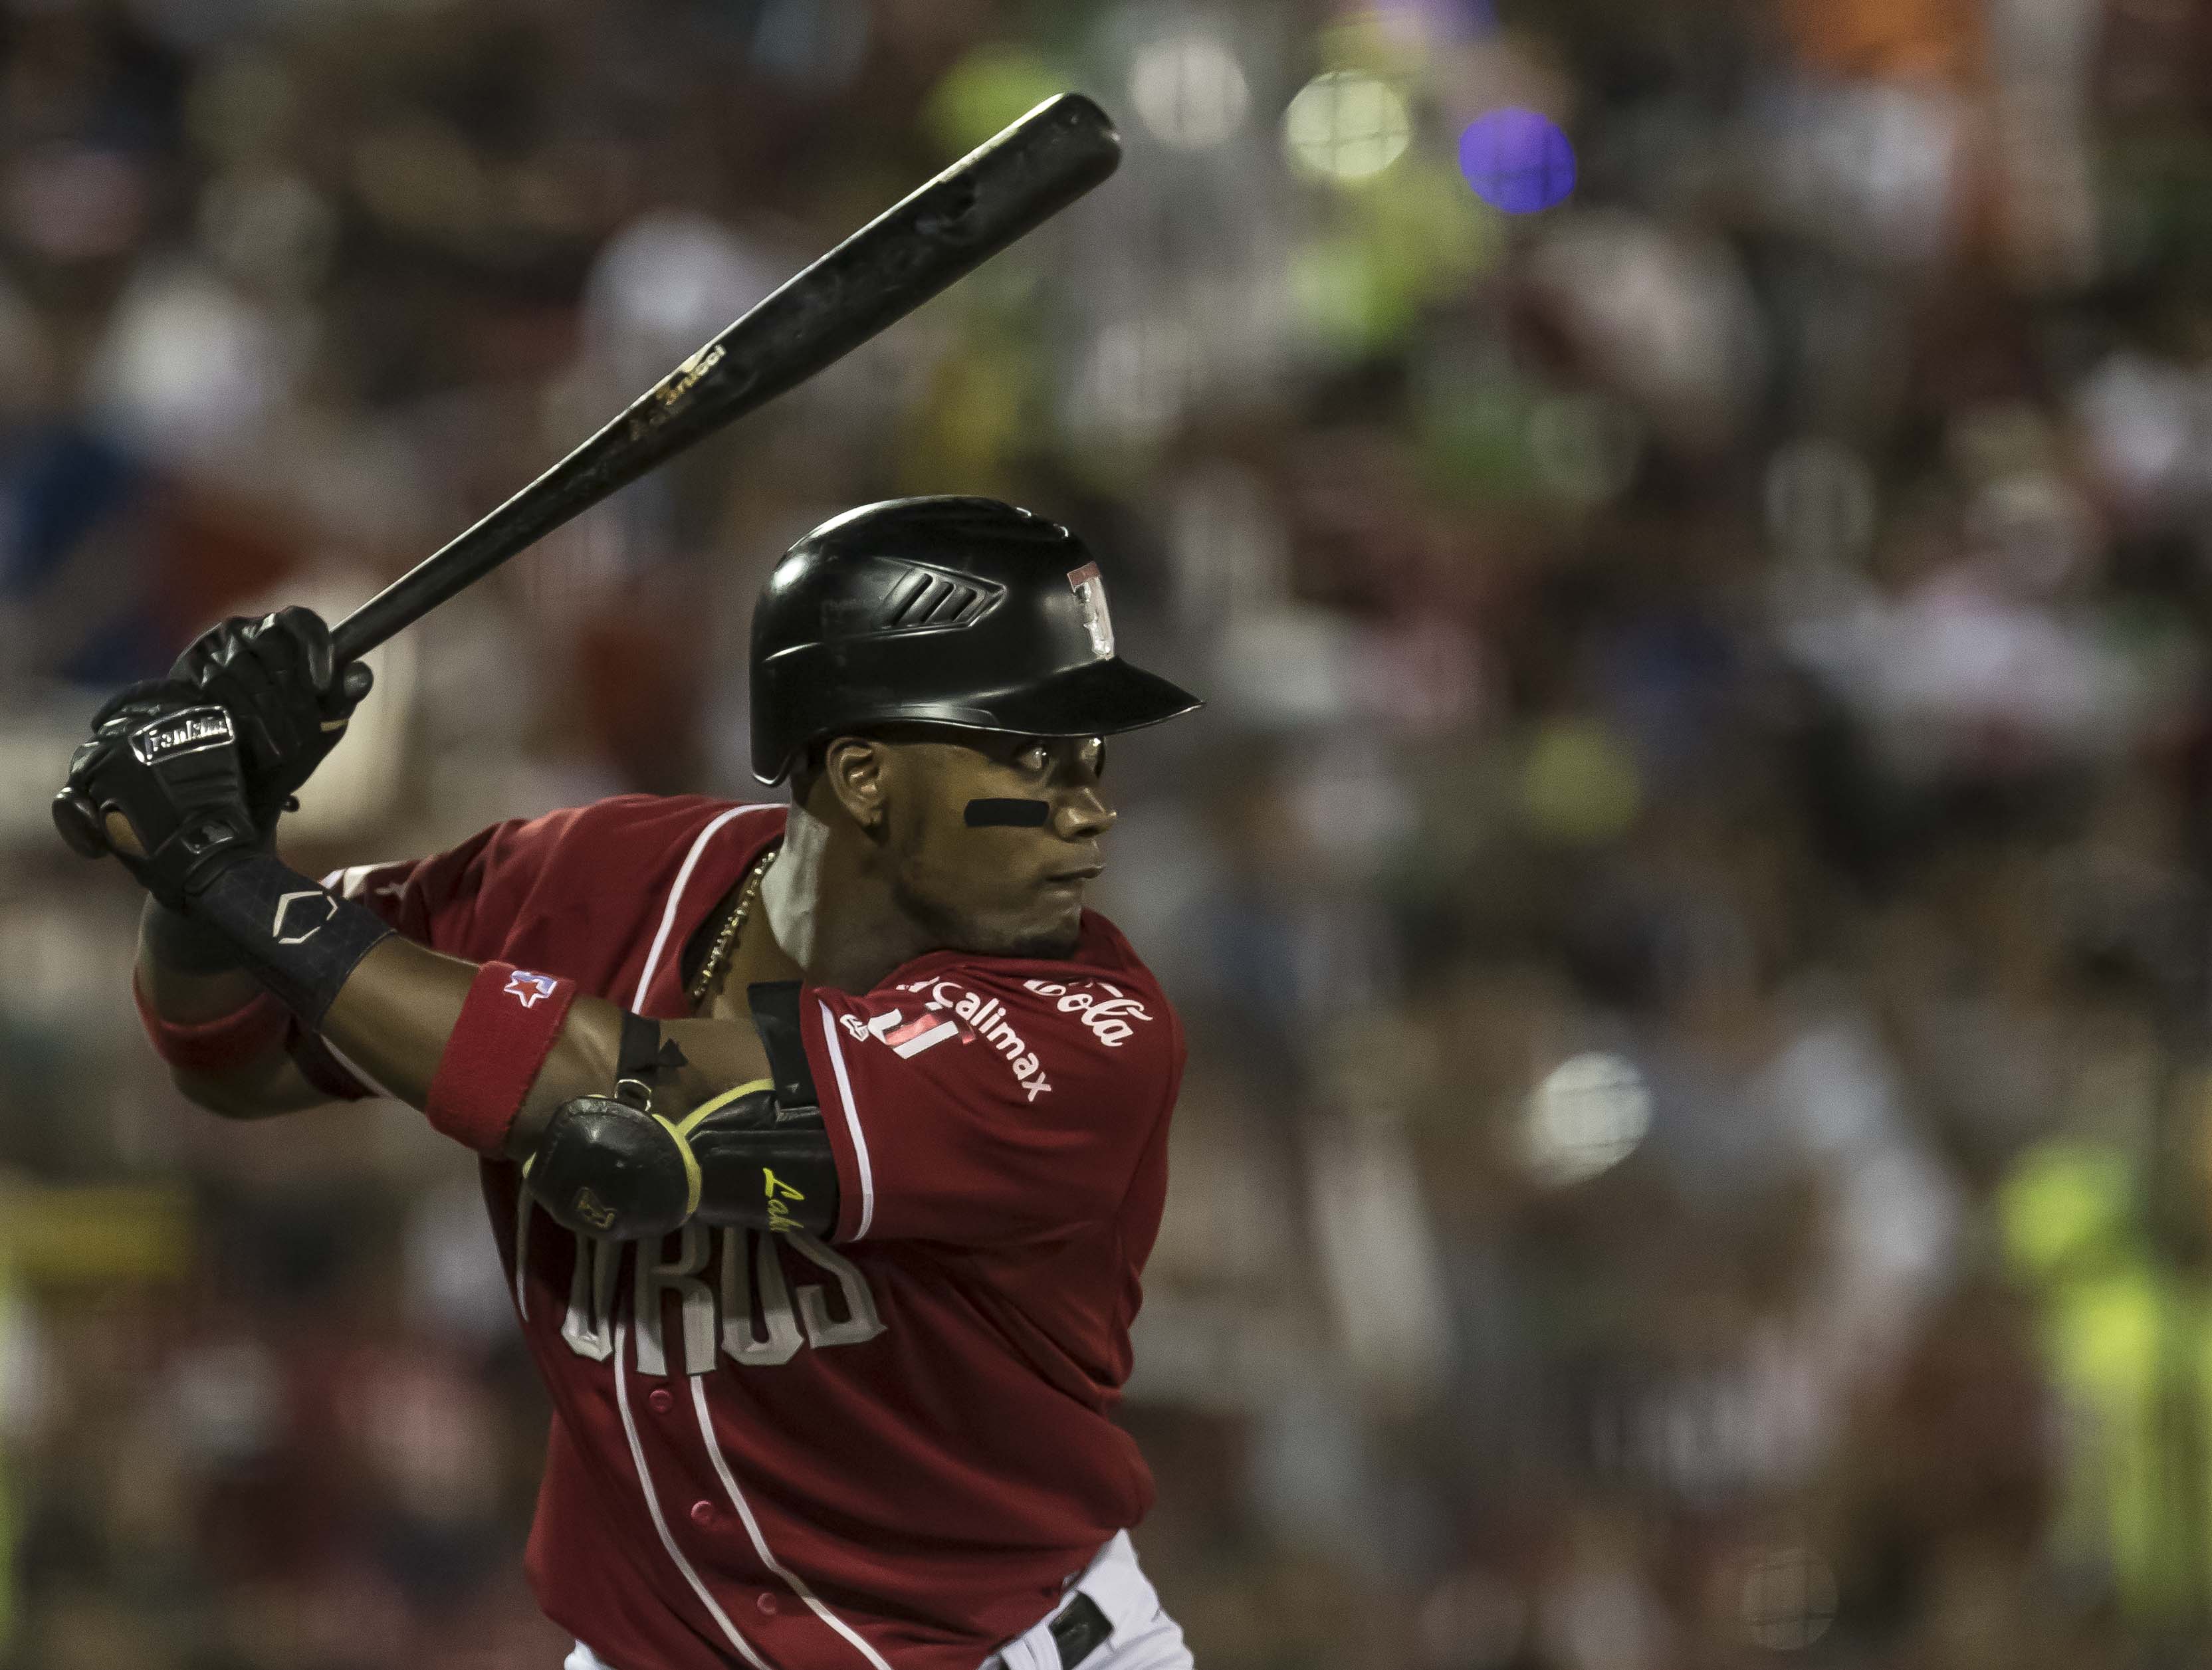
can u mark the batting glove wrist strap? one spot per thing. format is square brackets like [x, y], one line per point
[301, 941]
[508, 1023]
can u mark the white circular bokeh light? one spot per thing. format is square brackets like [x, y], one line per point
[1347, 126]
[1789, 1599]
[1190, 91]
[1588, 1115]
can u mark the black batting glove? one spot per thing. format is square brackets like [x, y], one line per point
[159, 784]
[277, 676]
[274, 675]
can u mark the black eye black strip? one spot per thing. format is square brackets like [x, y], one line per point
[1015, 814]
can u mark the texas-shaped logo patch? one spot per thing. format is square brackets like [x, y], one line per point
[530, 987]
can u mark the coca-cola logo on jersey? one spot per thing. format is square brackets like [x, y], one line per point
[1111, 1018]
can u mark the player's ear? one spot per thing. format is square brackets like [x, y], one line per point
[853, 772]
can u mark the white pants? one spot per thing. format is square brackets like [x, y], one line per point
[1143, 1639]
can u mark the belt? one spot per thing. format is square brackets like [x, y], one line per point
[1080, 1631]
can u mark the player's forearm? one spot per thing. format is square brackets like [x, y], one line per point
[263, 1087]
[183, 989]
[397, 1012]
[179, 986]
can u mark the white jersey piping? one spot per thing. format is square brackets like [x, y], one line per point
[675, 897]
[852, 1122]
[760, 1543]
[653, 1502]
[524, 1209]
[356, 1069]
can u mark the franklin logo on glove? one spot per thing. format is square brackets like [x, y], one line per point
[181, 733]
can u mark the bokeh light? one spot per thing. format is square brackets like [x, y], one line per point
[1588, 1115]
[1789, 1599]
[1518, 160]
[1579, 786]
[1190, 91]
[994, 85]
[1347, 126]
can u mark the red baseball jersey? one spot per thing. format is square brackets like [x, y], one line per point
[888, 1450]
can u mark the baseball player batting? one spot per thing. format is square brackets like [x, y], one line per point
[823, 1144]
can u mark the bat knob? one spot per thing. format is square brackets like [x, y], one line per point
[79, 821]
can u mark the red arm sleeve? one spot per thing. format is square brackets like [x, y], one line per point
[987, 1104]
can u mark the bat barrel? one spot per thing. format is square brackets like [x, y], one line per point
[911, 252]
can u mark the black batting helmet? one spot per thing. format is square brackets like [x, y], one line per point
[965, 612]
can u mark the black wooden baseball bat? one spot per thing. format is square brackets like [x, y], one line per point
[890, 267]
[912, 252]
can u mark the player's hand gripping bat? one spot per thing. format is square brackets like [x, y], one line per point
[883, 272]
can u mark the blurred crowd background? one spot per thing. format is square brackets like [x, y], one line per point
[1690, 896]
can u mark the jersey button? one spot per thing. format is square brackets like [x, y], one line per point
[766, 1603]
[662, 1401]
[702, 1513]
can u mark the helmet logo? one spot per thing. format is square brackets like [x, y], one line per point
[1091, 597]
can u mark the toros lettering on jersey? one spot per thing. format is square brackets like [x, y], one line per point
[733, 1298]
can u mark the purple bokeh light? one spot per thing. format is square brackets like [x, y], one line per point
[1518, 160]
[1438, 20]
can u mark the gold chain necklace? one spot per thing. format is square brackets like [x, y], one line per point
[726, 942]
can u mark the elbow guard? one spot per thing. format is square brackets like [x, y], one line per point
[762, 1151]
[763, 1165]
[757, 1155]
[606, 1167]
